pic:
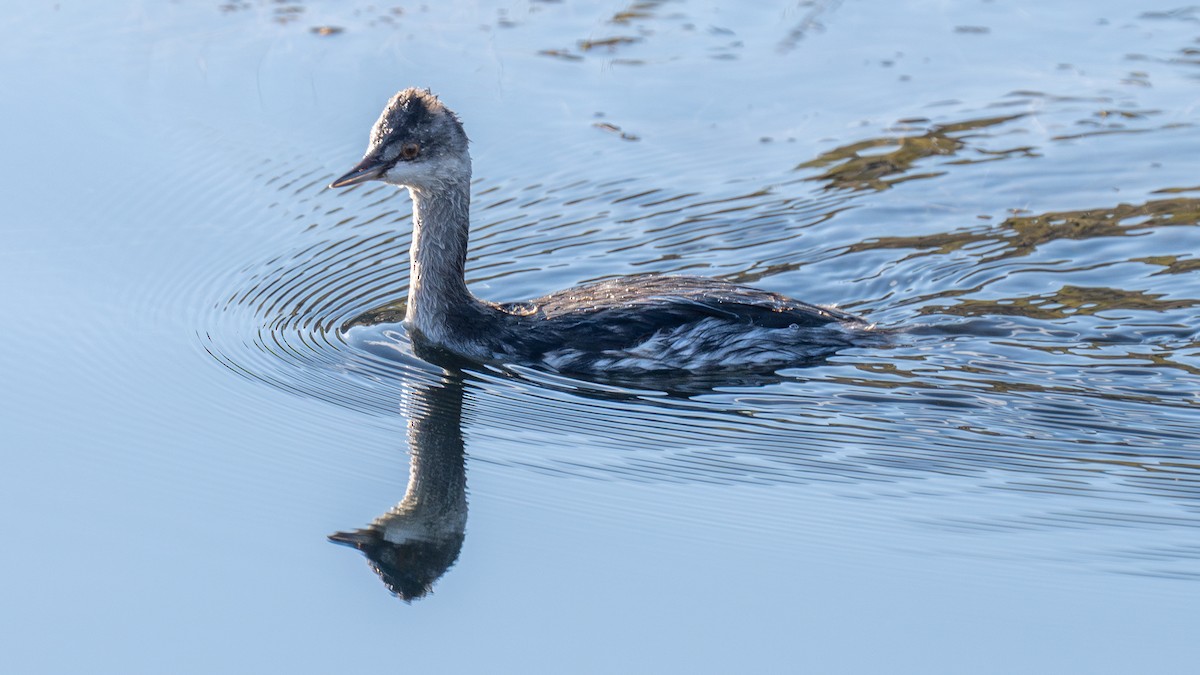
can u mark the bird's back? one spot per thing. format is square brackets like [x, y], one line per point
[656, 322]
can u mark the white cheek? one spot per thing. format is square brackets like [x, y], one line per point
[430, 172]
[404, 173]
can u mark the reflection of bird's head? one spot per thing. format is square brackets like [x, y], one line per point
[409, 567]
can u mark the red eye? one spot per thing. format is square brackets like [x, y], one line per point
[409, 150]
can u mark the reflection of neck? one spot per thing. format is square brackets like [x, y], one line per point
[435, 500]
[416, 541]
[438, 255]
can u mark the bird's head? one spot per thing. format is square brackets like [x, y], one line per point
[416, 143]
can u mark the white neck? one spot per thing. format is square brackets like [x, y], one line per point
[441, 221]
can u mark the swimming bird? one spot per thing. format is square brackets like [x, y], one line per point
[623, 325]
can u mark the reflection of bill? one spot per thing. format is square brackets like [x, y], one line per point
[414, 543]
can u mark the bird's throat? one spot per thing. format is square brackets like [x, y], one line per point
[437, 288]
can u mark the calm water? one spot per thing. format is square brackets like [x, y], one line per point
[1012, 484]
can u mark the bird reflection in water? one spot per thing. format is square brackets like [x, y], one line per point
[413, 544]
[418, 540]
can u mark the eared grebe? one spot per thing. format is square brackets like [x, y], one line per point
[623, 325]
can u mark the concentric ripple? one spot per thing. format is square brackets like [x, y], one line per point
[1039, 353]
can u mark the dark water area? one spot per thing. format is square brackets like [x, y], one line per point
[1009, 483]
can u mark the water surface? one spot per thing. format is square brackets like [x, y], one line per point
[1010, 484]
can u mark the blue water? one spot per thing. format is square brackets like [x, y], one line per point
[1009, 485]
